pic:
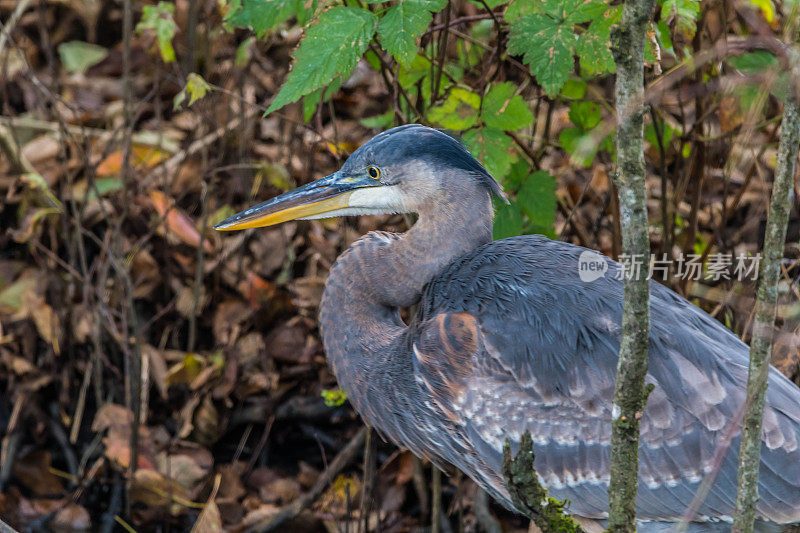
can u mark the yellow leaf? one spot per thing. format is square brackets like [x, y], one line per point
[766, 8]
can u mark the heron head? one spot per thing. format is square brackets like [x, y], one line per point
[402, 170]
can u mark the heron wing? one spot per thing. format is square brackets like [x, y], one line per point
[510, 339]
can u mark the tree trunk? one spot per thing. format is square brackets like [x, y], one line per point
[630, 395]
[761, 344]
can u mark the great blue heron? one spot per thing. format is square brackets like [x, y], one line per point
[508, 338]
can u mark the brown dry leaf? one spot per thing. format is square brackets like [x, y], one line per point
[117, 420]
[46, 320]
[210, 520]
[142, 157]
[307, 476]
[33, 471]
[41, 148]
[307, 292]
[344, 489]
[117, 445]
[231, 489]
[151, 488]
[256, 517]
[287, 343]
[405, 468]
[84, 322]
[729, 113]
[250, 348]
[282, 490]
[186, 303]
[207, 374]
[206, 422]
[177, 222]
[256, 289]
[187, 416]
[71, 518]
[228, 318]
[145, 274]
[16, 364]
[111, 414]
[185, 469]
[158, 368]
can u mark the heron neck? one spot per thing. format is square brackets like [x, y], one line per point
[365, 340]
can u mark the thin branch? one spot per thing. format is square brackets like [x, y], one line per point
[288, 512]
[8, 27]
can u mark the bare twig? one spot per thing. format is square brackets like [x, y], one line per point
[436, 500]
[288, 512]
[483, 515]
[8, 27]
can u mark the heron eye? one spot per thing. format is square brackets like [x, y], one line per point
[374, 172]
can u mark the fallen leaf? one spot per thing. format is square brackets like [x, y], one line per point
[177, 222]
[151, 488]
[71, 518]
[287, 343]
[78, 56]
[111, 415]
[33, 471]
[142, 157]
[46, 320]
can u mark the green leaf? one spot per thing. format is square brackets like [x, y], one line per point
[516, 176]
[664, 39]
[78, 56]
[520, 8]
[159, 19]
[330, 48]
[243, 53]
[400, 27]
[667, 134]
[492, 148]
[576, 11]
[754, 62]
[491, 3]
[585, 115]
[508, 220]
[196, 87]
[594, 45]
[681, 14]
[546, 45]
[379, 122]
[333, 397]
[537, 199]
[504, 110]
[579, 144]
[312, 100]
[458, 112]
[574, 89]
[262, 15]
[420, 70]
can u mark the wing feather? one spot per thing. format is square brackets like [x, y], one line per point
[510, 339]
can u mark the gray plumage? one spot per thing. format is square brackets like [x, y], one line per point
[508, 338]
